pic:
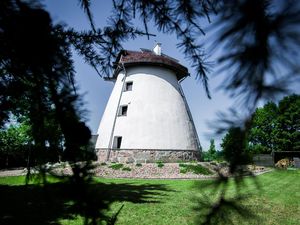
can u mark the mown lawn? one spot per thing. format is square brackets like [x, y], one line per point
[276, 200]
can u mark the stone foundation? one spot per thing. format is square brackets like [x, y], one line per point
[147, 156]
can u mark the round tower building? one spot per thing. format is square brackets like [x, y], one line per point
[147, 117]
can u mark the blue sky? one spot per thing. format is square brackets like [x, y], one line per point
[96, 91]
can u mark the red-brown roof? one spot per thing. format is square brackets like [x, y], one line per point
[133, 58]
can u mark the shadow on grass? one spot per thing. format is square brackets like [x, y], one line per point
[36, 205]
[223, 200]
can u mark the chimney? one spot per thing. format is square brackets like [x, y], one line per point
[157, 49]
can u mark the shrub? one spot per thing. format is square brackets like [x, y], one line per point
[103, 164]
[197, 169]
[183, 170]
[138, 165]
[160, 164]
[126, 169]
[182, 165]
[116, 166]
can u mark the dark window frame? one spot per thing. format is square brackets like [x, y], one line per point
[117, 142]
[128, 86]
[123, 110]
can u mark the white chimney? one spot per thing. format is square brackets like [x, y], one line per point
[157, 49]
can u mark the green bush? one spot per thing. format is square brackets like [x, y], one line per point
[126, 169]
[160, 164]
[103, 164]
[138, 165]
[116, 166]
[182, 164]
[183, 170]
[197, 169]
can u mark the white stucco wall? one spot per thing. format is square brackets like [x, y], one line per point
[156, 116]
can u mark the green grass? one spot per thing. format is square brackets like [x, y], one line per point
[17, 180]
[277, 201]
[20, 180]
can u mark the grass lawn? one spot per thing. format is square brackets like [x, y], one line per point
[276, 201]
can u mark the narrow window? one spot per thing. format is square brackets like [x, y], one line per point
[128, 86]
[117, 142]
[123, 110]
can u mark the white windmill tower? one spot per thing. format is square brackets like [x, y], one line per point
[147, 117]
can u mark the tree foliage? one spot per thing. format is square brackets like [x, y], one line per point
[259, 39]
[288, 134]
[37, 79]
[263, 131]
[15, 135]
[234, 145]
[276, 127]
[14, 142]
[212, 153]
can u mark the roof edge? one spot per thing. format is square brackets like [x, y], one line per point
[152, 60]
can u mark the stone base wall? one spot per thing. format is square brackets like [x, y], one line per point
[147, 156]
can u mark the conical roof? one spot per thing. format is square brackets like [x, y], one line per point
[130, 58]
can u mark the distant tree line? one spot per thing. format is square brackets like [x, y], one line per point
[274, 127]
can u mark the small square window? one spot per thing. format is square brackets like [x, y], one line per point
[128, 86]
[117, 142]
[123, 110]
